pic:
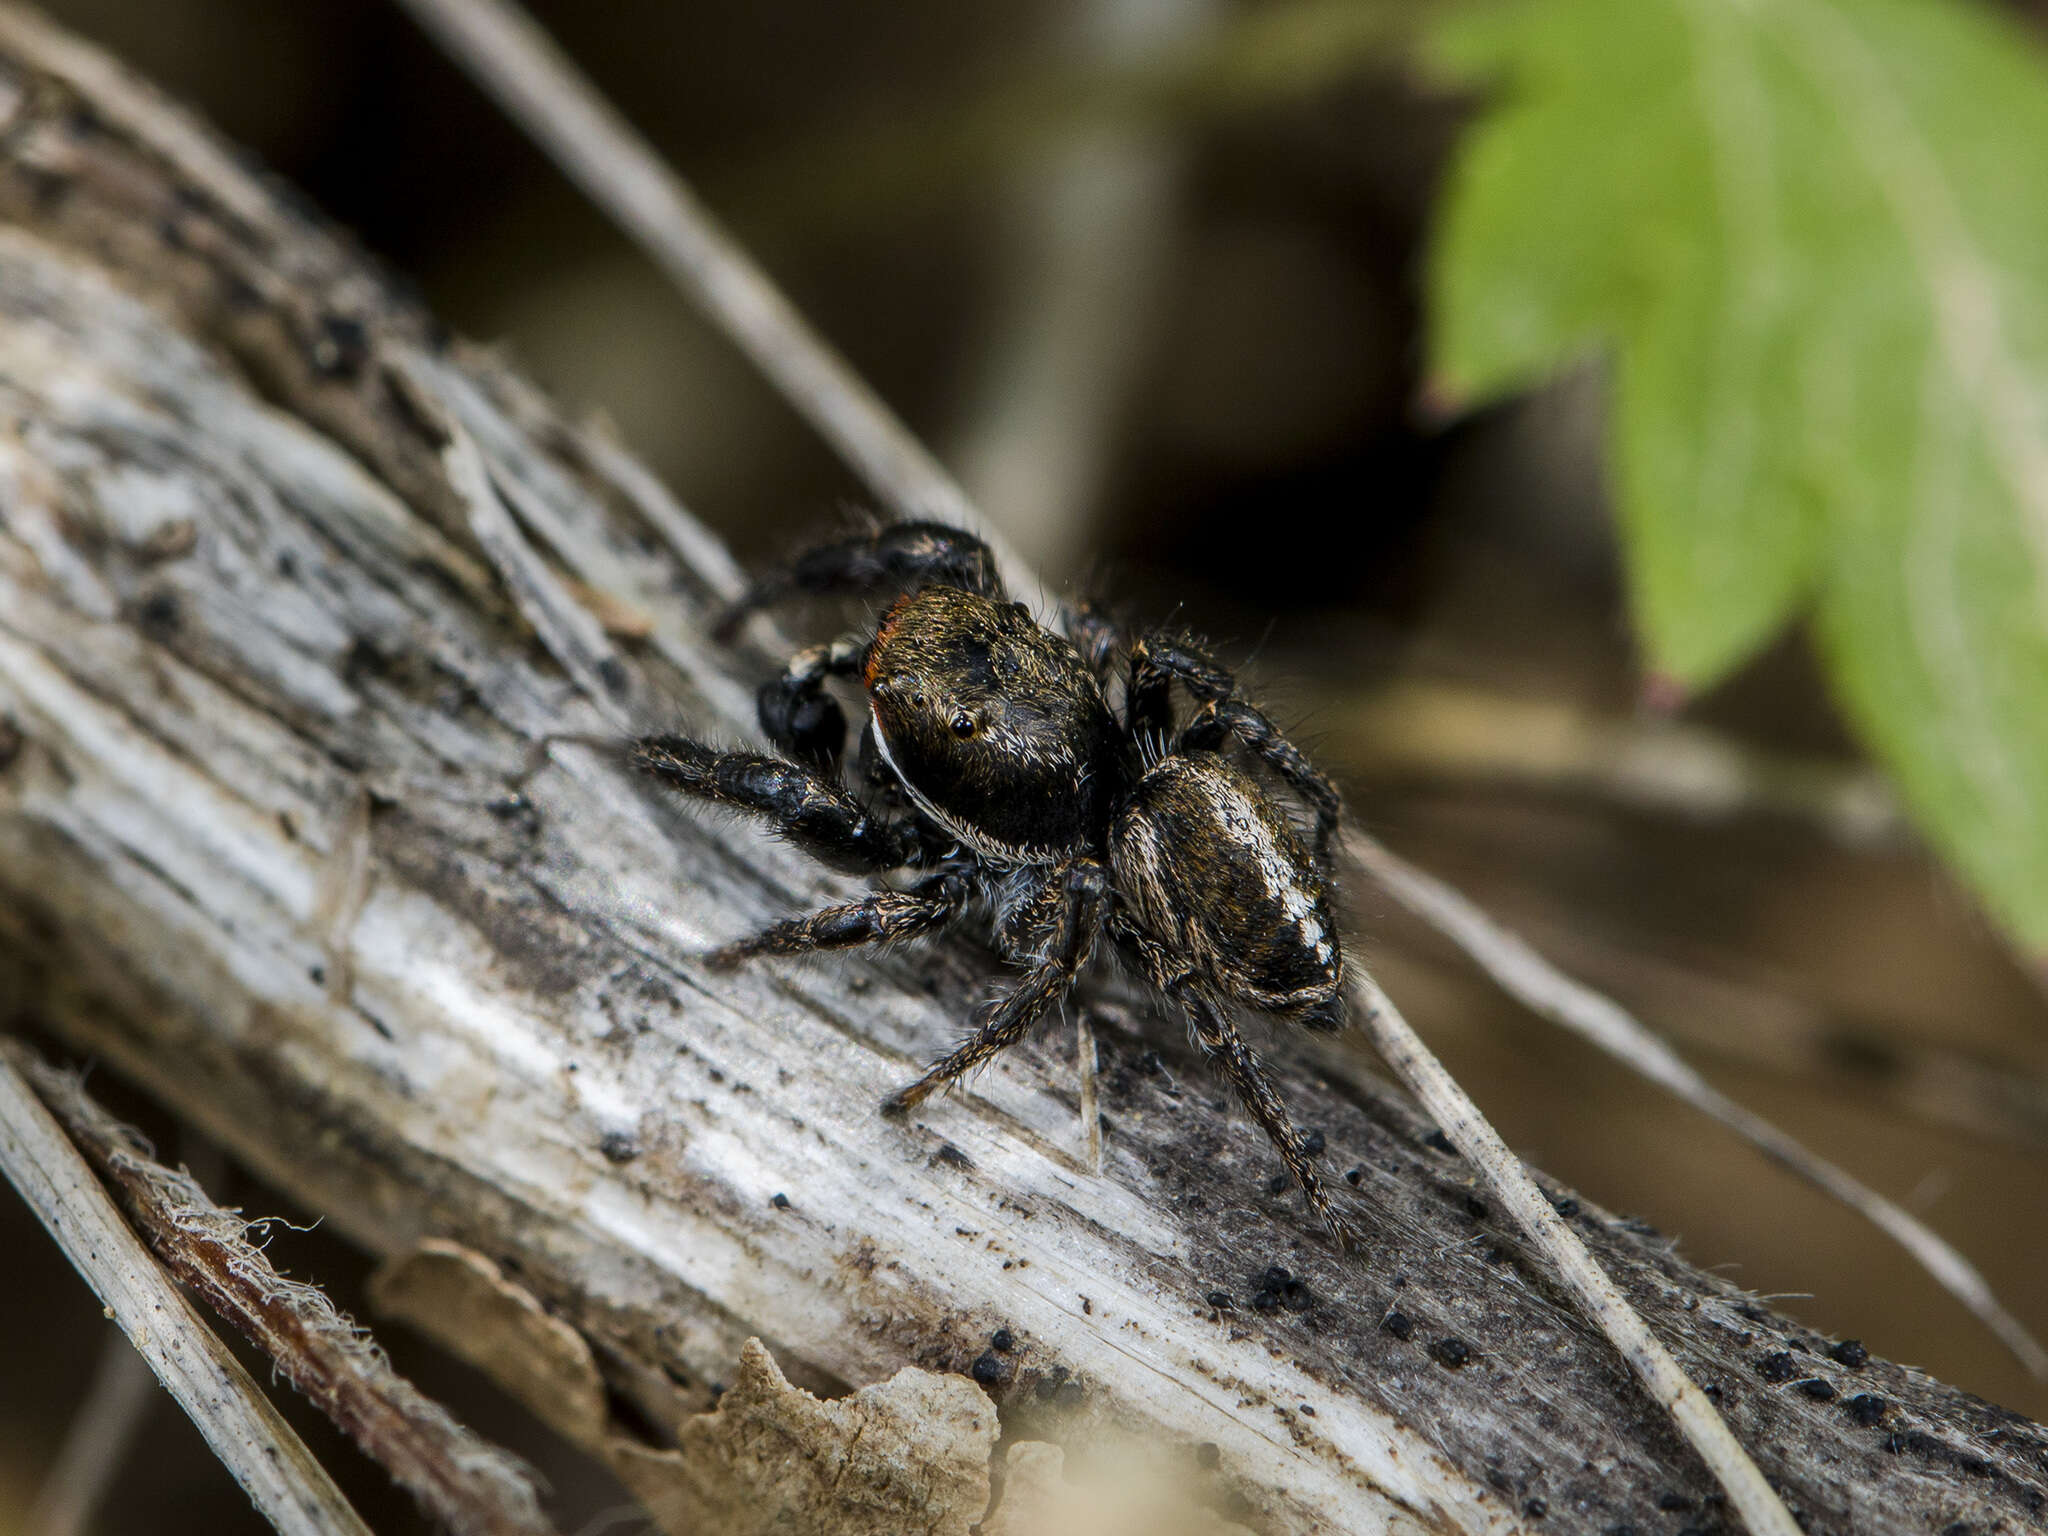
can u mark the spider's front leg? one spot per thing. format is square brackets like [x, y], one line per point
[1056, 928]
[884, 917]
[894, 558]
[806, 806]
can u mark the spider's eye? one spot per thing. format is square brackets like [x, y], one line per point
[963, 724]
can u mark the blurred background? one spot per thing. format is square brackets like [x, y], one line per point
[1147, 274]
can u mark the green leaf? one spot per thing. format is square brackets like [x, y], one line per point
[1810, 240]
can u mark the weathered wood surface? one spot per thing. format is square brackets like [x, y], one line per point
[272, 676]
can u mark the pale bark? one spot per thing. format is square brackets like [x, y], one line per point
[289, 590]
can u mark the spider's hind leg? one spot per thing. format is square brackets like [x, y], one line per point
[1246, 1074]
[1218, 722]
[895, 557]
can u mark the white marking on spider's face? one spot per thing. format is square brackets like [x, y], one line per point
[1001, 854]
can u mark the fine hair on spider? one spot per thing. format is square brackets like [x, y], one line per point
[993, 769]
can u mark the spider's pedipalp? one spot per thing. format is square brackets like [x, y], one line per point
[795, 711]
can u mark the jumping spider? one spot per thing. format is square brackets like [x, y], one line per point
[1000, 774]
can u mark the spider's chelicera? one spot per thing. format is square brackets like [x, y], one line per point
[996, 772]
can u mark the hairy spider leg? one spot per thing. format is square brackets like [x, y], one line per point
[1210, 1027]
[884, 917]
[1157, 661]
[1095, 635]
[1241, 1068]
[797, 715]
[810, 809]
[896, 557]
[1057, 927]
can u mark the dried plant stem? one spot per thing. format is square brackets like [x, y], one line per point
[1438, 730]
[1526, 976]
[1088, 228]
[571, 633]
[1761, 1508]
[468, 1485]
[1091, 1111]
[257, 1447]
[1753, 1023]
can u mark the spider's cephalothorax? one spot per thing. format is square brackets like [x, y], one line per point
[999, 770]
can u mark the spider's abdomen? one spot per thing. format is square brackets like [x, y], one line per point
[1212, 869]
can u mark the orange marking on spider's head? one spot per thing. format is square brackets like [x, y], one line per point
[884, 632]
